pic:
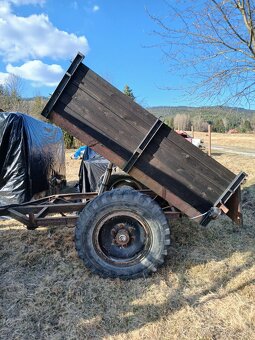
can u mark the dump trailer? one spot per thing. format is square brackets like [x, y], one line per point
[124, 232]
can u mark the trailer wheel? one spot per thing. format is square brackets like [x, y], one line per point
[122, 233]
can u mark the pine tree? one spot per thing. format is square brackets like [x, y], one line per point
[128, 91]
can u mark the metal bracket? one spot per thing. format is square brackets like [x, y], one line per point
[222, 200]
[63, 83]
[233, 186]
[106, 178]
[143, 145]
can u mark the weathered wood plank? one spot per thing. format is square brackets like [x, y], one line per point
[114, 125]
[101, 118]
[209, 163]
[181, 162]
[75, 120]
[193, 179]
[78, 130]
[119, 111]
[176, 165]
[117, 97]
[95, 84]
[188, 175]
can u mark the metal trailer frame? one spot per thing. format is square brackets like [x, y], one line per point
[43, 212]
[39, 212]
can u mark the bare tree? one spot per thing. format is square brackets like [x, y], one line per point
[36, 107]
[182, 121]
[11, 95]
[253, 123]
[199, 123]
[213, 43]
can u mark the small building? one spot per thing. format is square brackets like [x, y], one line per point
[232, 131]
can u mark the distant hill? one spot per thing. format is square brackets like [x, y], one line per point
[205, 111]
[31, 99]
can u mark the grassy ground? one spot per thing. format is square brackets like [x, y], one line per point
[205, 290]
[240, 140]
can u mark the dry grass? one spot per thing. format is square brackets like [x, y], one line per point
[239, 140]
[206, 289]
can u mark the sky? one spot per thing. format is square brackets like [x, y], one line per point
[39, 38]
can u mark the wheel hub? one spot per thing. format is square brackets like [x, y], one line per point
[122, 234]
[122, 237]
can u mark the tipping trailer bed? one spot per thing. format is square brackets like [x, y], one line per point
[125, 233]
[129, 136]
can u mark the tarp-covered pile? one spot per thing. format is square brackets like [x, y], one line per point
[32, 158]
[92, 168]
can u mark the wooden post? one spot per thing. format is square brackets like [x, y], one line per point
[192, 131]
[210, 140]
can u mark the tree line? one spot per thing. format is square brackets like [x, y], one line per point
[183, 121]
[221, 121]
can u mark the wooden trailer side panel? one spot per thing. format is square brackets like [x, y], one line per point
[114, 126]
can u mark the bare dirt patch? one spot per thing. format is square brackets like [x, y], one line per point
[205, 290]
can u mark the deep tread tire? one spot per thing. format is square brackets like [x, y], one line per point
[144, 216]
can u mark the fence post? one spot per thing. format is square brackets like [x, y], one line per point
[192, 131]
[210, 140]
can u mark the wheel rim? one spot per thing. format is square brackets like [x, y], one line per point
[122, 238]
[125, 183]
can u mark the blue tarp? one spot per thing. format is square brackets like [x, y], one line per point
[84, 152]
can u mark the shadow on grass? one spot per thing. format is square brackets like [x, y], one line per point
[192, 247]
[216, 153]
[63, 299]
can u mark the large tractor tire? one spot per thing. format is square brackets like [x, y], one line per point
[122, 233]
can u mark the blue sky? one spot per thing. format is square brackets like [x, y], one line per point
[40, 37]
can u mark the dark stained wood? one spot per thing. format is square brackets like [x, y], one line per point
[93, 83]
[234, 206]
[64, 121]
[92, 137]
[181, 164]
[208, 162]
[114, 125]
[118, 99]
[177, 164]
[101, 118]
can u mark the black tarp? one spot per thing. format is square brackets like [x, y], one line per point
[91, 170]
[32, 157]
